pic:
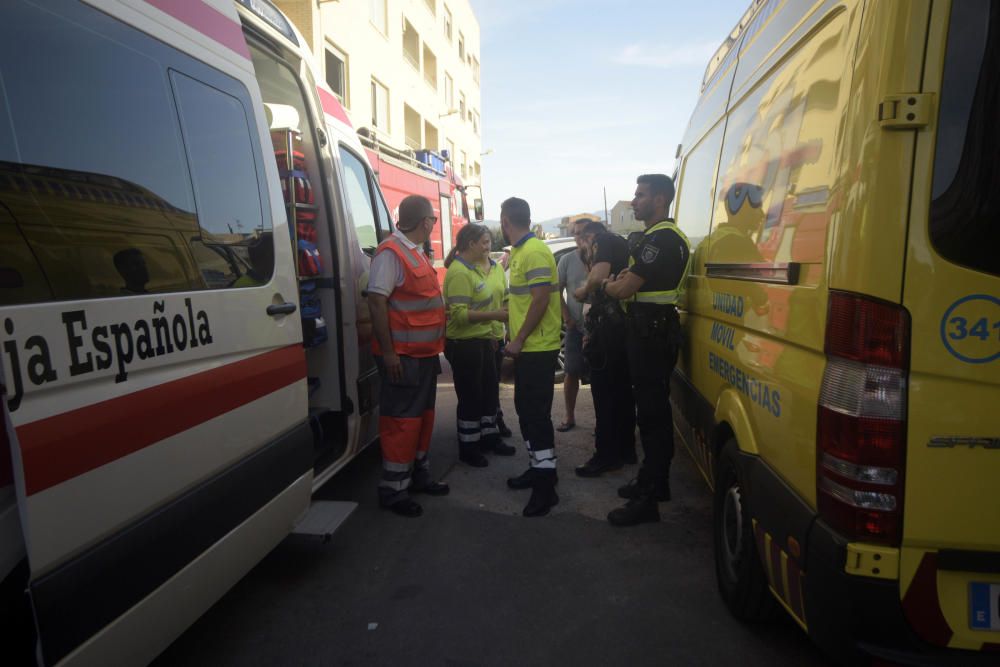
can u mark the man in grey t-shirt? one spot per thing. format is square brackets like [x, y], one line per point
[572, 274]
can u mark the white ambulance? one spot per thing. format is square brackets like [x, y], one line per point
[183, 337]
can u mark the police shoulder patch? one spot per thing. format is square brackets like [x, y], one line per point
[649, 253]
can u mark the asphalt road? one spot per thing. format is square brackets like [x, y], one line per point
[473, 583]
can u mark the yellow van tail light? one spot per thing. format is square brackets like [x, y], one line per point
[861, 425]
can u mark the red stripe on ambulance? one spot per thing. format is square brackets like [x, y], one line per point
[70, 444]
[332, 106]
[208, 21]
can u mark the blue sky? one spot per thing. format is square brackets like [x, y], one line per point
[582, 94]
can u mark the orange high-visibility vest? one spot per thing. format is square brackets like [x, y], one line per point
[416, 308]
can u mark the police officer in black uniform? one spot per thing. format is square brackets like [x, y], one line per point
[653, 285]
[604, 347]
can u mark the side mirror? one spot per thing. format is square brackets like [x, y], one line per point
[478, 206]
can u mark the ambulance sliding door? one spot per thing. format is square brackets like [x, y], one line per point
[303, 167]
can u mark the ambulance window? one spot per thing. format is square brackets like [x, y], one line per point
[93, 180]
[693, 207]
[384, 217]
[221, 156]
[359, 200]
[965, 206]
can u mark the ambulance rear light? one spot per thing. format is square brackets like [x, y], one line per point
[861, 422]
[868, 331]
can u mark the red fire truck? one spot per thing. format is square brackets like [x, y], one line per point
[426, 173]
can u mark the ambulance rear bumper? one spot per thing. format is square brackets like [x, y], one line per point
[852, 617]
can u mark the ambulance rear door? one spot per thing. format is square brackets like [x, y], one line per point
[950, 557]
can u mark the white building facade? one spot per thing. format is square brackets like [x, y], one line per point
[623, 219]
[408, 71]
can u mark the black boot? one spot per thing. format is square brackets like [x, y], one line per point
[543, 496]
[596, 467]
[468, 453]
[638, 510]
[629, 491]
[505, 432]
[492, 444]
[526, 480]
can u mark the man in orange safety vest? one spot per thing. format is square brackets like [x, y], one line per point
[408, 318]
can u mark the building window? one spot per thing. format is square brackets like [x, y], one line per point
[461, 105]
[464, 165]
[447, 22]
[431, 6]
[377, 14]
[476, 171]
[430, 137]
[336, 72]
[475, 69]
[461, 46]
[412, 126]
[450, 147]
[411, 44]
[474, 115]
[380, 106]
[430, 68]
[449, 93]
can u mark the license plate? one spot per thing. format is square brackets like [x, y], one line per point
[984, 601]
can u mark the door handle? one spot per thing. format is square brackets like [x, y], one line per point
[281, 309]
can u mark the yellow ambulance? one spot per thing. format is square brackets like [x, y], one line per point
[840, 383]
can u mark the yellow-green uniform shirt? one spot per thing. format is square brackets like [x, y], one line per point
[467, 287]
[532, 265]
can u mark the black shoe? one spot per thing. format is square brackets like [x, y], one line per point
[505, 432]
[629, 458]
[526, 480]
[596, 467]
[543, 498]
[406, 507]
[501, 448]
[631, 490]
[470, 455]
[432, 489]
[637, 510]
[494, 445]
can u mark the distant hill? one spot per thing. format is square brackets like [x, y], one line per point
[551, 226]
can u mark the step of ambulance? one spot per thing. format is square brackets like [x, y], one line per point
[323, 518]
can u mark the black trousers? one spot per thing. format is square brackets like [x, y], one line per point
[476, 386]
[534, 379]
[652, 338]
[614, 405]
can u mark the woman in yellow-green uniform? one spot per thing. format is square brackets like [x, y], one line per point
[473, 292]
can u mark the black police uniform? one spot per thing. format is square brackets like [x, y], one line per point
[653, 336]
[610, 383]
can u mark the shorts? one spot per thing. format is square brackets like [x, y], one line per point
[575, 364]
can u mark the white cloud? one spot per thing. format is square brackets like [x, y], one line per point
[665, 57]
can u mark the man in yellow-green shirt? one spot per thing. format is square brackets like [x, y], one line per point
[535, 322]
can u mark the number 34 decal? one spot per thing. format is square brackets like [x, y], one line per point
[970, 329]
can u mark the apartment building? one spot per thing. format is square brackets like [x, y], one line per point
[406, 71]
[622, 219]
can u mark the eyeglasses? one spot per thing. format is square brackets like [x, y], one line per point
[432, 218]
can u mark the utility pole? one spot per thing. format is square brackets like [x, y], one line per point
[606, 220]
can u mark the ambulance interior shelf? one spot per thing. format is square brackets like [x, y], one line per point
[300, 206]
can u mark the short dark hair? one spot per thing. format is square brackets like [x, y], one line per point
[412, 210]
[659, 184]
[518, 211]
[594, 227]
